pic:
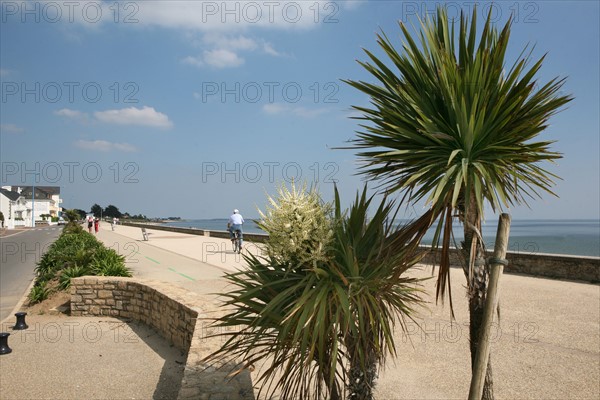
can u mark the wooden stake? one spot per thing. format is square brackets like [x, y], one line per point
[491, 303]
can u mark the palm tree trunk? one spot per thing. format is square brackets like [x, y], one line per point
[477, 287]
[477, 292]
[362, 380]
[332, 387]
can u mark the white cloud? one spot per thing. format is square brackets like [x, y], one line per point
[215, 58]
[146, 116]
[235, 16]
[195, 61]
[229, 42]
[11, 128]
[103, 145]
[224, 50]
[274, 108]
[72, 114]
[222, 58]
[298, 111]
[268, 48]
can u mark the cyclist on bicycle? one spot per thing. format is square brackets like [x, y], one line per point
[235, 224]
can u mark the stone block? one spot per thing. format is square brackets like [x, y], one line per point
[105, 294]
[94, 310]
[75, 298]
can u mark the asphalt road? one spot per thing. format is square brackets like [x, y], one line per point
[19, 254]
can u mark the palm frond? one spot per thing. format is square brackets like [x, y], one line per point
[314, 326]
[446, 119]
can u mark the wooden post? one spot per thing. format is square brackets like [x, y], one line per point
[491, 303]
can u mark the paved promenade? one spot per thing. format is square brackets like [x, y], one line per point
[546, 346]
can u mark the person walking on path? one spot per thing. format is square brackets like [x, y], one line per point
[90, 222]
[96, 225]
[235, 224]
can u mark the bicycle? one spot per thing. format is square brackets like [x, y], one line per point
[236, 242]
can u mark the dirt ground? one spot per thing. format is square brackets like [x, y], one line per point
[57, 303]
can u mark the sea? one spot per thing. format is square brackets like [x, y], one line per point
[571, 237]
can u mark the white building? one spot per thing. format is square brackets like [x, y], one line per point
[8, 201]
[21, 205]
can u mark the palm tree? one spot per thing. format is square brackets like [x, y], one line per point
[322, 325]
[449, 125]
[72, 215]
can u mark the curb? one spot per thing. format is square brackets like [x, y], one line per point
[20, 303]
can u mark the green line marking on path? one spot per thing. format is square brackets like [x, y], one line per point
[184, 275]
[151, 259]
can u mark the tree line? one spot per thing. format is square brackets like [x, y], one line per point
[109, 211]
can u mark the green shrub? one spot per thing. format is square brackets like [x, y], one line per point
[113, 270]
[71, 272]
[73, 227]
[107, 262]
[75, 253]
[324, 331]
[39, 293]
[47, 266]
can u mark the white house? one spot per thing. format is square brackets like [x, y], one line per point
[8, 201]
[25, 204]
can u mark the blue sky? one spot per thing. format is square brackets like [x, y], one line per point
[194, 108]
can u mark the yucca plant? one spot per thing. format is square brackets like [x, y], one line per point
[38, 293]
[107, 262]
[369, 289]
[298, 223]
[47, 266]
[73, 227]
[323, 327]
[71, 272]
[451, 124]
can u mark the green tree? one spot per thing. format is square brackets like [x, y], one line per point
[451, 124]
[112, 212]
[323, 323]
[82, 213]
[72, 215]
[96, 210]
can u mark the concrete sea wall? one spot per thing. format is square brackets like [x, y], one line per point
[556, 266]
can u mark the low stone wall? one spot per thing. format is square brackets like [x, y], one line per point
[554, 266]
[180, 316]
